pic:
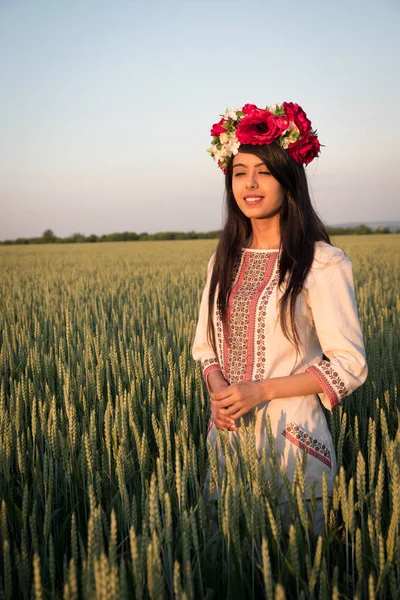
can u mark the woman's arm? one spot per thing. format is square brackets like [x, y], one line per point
[216, 382]
[239, 398]
[203, 352]
[331, 298]
[301, 384]
[201, 349]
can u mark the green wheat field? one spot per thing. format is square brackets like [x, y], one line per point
[103, 454]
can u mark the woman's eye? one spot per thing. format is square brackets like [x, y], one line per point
[260, 173]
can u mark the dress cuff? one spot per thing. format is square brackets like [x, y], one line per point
[208, 366]
[329, 379]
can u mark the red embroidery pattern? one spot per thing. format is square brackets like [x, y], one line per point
[218, 321]
[261, 348]
[306, 442]
[329, 380]
[208, 365]
[220, 337]
[252, 284]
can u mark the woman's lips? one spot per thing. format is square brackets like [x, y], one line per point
[253, 200]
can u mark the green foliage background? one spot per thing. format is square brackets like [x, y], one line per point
[103, 419]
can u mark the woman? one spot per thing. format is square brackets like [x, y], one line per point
[278, 328]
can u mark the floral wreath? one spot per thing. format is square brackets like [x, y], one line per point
[285, 122]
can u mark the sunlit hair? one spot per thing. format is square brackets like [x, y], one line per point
[300, 228]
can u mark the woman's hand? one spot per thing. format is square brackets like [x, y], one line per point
[221, 419]
[217, 383]
[238, 399]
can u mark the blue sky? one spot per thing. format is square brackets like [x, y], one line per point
[106, 107]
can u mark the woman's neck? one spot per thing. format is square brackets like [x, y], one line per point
[264, 236]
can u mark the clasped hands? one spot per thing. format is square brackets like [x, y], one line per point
[233, 401]
[230, 402]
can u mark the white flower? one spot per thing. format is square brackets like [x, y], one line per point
[292, 134]
[219, 154]
[233, 145]
[230, 113]
[273, 108]
[230, 145]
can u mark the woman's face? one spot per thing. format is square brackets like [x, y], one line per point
[257, 193]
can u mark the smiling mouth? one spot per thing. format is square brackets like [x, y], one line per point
[253, 199]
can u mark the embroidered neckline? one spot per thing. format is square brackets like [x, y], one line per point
[274, 250]
[243, 356]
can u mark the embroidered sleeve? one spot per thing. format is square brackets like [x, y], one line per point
[331, 297]
[209, 365]
[201, 349]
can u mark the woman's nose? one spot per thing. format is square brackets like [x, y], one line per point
[251, 182]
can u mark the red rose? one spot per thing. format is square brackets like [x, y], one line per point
[295, 113]
[218, 128]
[304, 150]
[259, 127]
[249, 108]
[283, 123]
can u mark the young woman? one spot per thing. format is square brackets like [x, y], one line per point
[278, 327]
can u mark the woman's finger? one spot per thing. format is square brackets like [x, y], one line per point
[222, 412]
[224, 403]
[225, 424]
[221, 395]
[238, 414]
[225, 418]
[233, 409]
[223, 427]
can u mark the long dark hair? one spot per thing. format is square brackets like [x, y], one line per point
[300, 228]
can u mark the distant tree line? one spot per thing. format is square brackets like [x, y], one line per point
[48, 236]
[359, 230]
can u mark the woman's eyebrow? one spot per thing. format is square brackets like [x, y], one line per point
[245, 166]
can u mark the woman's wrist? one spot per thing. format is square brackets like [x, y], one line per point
[301, 384]
[214, 380]
[266, 389]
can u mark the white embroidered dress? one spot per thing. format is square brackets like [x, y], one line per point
[327, 323]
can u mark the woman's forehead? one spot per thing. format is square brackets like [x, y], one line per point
[246, 158]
